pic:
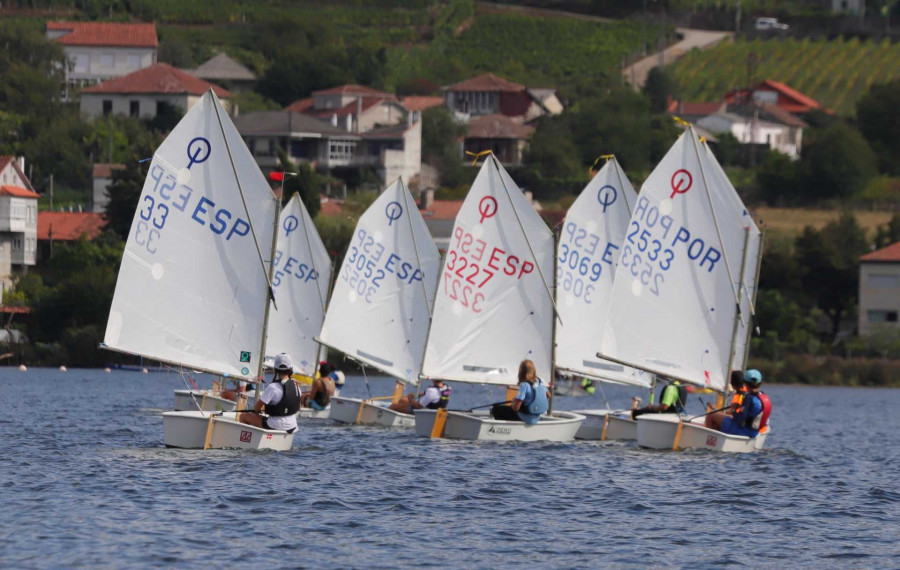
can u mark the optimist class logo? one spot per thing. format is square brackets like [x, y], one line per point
[682, 181]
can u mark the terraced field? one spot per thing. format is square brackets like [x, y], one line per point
[835, 73]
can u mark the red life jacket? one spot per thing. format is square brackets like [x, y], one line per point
[763, 418]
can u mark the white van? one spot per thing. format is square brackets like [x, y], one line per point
[770, 24]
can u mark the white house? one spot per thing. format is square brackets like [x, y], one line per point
[393, 150]
[98, 51]
[759, 124]
[102, 177]
[879, 290]
[142, 93]
[488, 94]
[18, 219]
[355, 108]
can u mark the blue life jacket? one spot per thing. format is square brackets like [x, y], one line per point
[536, 401]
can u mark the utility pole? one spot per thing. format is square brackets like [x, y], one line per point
[51, 191]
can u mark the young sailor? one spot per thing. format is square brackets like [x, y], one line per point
[322, 390]
[435, 396]
[532, 399]
[753, 415]
[672, 400]
[280, 400]
[740, 388]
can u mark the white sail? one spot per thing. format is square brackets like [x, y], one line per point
[673, 305]
[493, 308]
[589, 244]
[300, 282]
[192, 287]
[754, 251]
[382, 299]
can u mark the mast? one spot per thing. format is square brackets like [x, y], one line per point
[553, 330]
[759, 257]
[737, 320]
[265, 336]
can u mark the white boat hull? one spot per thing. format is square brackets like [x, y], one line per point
[311, 414]
[346, 410]
[620, 427]
[188, 430]
[561, 426]
[657, 431]
[185, 401]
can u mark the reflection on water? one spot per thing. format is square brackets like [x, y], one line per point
[87, 483]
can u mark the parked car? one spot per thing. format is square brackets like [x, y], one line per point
[764, 24]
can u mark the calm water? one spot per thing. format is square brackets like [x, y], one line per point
[87, 483]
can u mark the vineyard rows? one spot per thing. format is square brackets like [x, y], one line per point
[835, 73]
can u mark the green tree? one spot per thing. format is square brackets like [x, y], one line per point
[829, 262]
[888, 233]
[878, 117]
[304, 180]
[551, 151]
[839, 162]
[779, 179]
[441, 136]
[659, 88]
[123, 193]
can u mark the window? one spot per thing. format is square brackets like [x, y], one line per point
[107, 107]
[80, 62]
[341, 150]
[107, 60]
[134, 108]
[765, 97]
[884, 281]
[882, 316]
[134, 62]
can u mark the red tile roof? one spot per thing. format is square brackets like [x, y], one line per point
[890, 253]
[442, 210]
[69, 226]
[497, 127]
[158, 78]
[688, 108]
[18, 192]
[420, 103]
[105, 34]
[485, 82]
[301, 105]
[792, 93]
[330, 206]
[102, 170]
[354, 90]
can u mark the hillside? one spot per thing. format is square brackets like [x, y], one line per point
[835, 73]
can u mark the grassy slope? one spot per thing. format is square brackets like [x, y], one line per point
[789, 222]
[836, 73]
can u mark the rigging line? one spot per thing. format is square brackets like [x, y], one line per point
[405, 191]
[527, 241]
[690, 132]
[602, 393]
[190, 391]
[368, 388]
[237, 178]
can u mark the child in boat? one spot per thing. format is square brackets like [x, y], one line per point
[672, 400]
[532, 399]
[281, 400]
[435, 396]
[753, 414]
[322, 389]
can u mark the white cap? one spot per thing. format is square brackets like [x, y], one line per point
[283, 362]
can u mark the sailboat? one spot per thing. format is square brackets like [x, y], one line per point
[302, 272]
[301, 278]
[193, 287]
[588, 248]
[493, 309]
[681, 303]
[381, 303]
